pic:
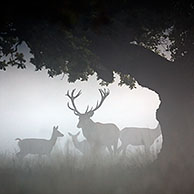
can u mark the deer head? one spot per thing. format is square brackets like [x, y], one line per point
[74, 137]
[56, 133]
[84, 118]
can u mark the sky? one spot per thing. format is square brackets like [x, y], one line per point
[31, 103]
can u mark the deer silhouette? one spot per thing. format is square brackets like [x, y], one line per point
[83, 146]
[38, 146]
[97, 134]
[138, 136]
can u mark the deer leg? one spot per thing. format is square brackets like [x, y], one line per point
[39, 156]
[124, 151]
[148, 153]
[20, 155]
[110, 149]
[120, 148]
[48, 155]
[124, 147]
[147, 150]
[94, 149]
[115, 146]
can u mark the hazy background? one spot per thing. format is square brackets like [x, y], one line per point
[31, 103]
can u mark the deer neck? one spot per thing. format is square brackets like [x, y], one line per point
[90, 125]
[88, 129]
[53, 139]
[91, 122]
[76, 143]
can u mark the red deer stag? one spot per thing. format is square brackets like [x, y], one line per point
[97, 134]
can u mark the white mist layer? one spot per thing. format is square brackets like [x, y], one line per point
[32, 103]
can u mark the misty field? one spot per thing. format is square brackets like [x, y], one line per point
[66, 172]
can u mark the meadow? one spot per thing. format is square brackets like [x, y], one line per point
[71, 173]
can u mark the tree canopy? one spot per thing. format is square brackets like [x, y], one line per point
[151, 42]
[64, 36]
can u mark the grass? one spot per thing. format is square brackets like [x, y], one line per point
[69, 173]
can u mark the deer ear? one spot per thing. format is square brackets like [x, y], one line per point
[70, 134]
[57, 127]
[91, 113]
[77, 133]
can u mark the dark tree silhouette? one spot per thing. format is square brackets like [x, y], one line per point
[80, 38]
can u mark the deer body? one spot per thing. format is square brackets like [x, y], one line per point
[38, 146]
[105, 134]
[138, 136]
[97, 134]
[82, 146]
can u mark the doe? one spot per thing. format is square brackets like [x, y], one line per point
[82, 146]
[38, 146]
[138, 136]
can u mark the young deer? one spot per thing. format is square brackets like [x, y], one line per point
[82, 146]
[97, 134]
[138, 136]
[38, 146]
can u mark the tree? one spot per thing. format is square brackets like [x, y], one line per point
[79, 39]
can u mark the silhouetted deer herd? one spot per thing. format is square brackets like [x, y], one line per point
[98, 136]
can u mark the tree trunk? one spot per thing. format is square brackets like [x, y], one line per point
[175, 164]
[176, 117]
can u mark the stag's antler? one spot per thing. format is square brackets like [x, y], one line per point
[72, 98]
[104, 93]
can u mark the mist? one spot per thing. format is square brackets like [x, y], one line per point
[32, 103]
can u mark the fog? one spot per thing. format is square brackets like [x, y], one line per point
[32, 103]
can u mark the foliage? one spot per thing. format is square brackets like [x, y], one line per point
[128, 80]
[62, 38]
